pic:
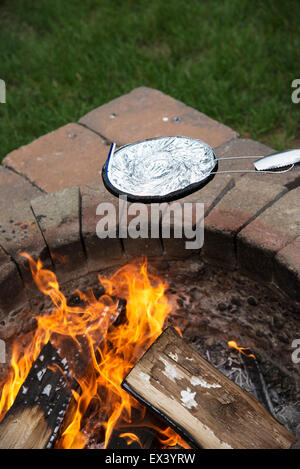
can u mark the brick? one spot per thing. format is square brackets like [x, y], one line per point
[270, 232]
[12, 292]
[147, 113]
[177, 242]
[231, 214]
[141, 246]
[19, 232]
[69, 156]
[58, 216]
[17, 322]
[14, 188]
[209, 195]
[212, 193]
[287, 269]
[101, 253]
[247, 147]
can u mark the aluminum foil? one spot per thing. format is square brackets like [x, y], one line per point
[160, 166]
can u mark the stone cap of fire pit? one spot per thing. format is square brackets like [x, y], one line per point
[50, 190]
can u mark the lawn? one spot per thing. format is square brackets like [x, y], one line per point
[233, 60]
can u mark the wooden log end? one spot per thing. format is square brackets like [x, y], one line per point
[199, 402]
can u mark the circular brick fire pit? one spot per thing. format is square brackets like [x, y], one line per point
[50, 190]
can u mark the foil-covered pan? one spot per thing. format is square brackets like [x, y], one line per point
[159, 169]
[168, 168]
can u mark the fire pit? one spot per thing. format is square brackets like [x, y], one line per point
[100, 339]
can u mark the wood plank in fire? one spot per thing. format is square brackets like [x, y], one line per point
[199, 402]
[39, 408]
[38, 412]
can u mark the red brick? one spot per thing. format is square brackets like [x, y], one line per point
[142, 114]
[209, 195]
[14, 188]
[232, 213]
[141, 246]
[101, 253]
[58, 216]
[69, 156]
[175, 240]
[287, 269]
[270, 232]
[212, 193]
[12, 292]
[19, 232]
[175, 248]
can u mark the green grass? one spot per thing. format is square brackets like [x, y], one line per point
[233, 60]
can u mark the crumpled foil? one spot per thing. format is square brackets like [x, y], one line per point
[160, 166]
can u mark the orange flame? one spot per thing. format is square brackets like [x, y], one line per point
[233, 344]
[178, 330]
[20, 367]
[169, 437]
[112, 349]
[130, 438]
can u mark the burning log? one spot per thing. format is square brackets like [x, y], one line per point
[199, 402]
[82, 333]
[35, 419]
[39, 408]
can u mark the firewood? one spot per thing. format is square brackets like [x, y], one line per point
[198, 401]
[34, 420]
[39, 408]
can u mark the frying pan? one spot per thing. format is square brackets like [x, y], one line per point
[167, 168]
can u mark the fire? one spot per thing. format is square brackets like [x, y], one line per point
[233, 344]
[131, 437]
[20, 367]
[169, 438]
[112, 349]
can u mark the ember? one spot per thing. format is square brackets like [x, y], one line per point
[109, 346]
